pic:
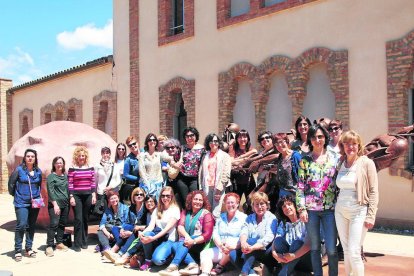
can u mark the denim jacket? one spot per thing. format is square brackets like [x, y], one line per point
[109, 216]
[131, 169]
[22, 196]
[135, 218]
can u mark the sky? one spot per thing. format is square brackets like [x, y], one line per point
[42, 37]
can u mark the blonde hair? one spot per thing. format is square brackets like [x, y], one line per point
[258, 197]
[76, 153]
[350, 136]
[134, 191]
[160, 206]
[162, 138]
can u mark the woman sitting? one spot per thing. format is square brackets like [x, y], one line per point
[165, 218]
[257, 234]
[112, 219]
[226, 235]
[195, 229]
[291, 245]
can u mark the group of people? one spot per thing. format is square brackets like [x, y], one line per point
[180, 204]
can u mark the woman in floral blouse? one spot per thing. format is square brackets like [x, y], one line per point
[315, 198]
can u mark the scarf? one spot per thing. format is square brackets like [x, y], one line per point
[190, 223]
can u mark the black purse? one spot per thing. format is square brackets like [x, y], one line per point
[99, 207]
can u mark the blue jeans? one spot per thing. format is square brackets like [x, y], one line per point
[326, 219]
[149, 247]
[25, 223]
[249, 259]
[124, 244]
[282, 247]
[183, 253]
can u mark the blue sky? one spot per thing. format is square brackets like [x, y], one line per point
[41, 37]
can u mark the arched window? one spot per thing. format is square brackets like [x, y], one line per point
[244, 113]
[71, 114]
[180, 117]
[25, 125]
[59, 115]
[279, 106]
[103, 116]
[48, 118]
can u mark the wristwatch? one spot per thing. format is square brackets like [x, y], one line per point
[194, 242]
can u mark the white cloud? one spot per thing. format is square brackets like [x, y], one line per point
[13, 66]
[85, 36]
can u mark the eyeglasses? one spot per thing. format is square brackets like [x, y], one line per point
[121, 149]
[319, 137]
[281, 142]
[132, 144]
[170, 148]
[189, 135]
[335, 128]
[152, 140]
[165, 196]
[214, 142]
[267, 137]
[139, 194]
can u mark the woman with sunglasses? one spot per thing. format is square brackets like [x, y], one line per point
[315, 198]
[120, 156]
[241, 150]
[165, 218]
[150, 167]
[131, 170]
[136, 221]
[173, 148]
[335, 132]
[192, 152]
[214, 175]
[302, 126]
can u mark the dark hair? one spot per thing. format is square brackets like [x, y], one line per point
[54, 163]
[324, 122]
[189, 200]
[117, 158]
[193, 130]
[35, 164]
[298, 120]
[263, 133]
[242, 132]
[210, 138]
[153, 197]
[279, 207]
[333, 123]
[311, 133]
[105, 149]
[147, 139]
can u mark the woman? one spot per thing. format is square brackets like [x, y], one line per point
[136, 245]
[150, 167]
[300, 144]
[27, 179]
[335, 132]
[195, 229]
[257, 234]
[242, 180]
[136, 221]
[131, 170]
[114, 216]
[191, 157]
[315, 198]
[107, 178]
[357, 202]
[214, 172]
[120, 156]
[287, 165]
[58, 207]
[226, 235]
[82, 187]
[291, 245]
[165, 218]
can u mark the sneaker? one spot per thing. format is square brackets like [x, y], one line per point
[122, 260]
[169, 271]
[190, 269]
[77, 249]
[62, 247]
[146, 266]
[49, 251]
[110, 255]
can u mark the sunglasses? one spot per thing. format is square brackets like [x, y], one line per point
[152, 140]
[165, 196]
[320, 137]
[214, 142]
[332, 129]
[121, 149]
[170, 148]
[189, 135]
[132, 144]
[139, 194]
[265, 138]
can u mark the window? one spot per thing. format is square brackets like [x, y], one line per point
[59, 115]
[239, 7]
[268, 3]
[71, 115]
[177, 16]
[180, 118]
[25, 125]
[411, 121]
[48, 118]
[103, 116]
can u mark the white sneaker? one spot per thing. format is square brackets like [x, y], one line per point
[190, 269]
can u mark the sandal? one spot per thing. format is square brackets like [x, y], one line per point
[31, 253]
[18, 257]
[217, 270]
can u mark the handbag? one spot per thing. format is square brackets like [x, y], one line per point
[99, 207]
[36, 202]
[173, 172]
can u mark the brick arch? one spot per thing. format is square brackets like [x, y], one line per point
[47, 109]
[60, 108]
[400, 70]
[228, 86]
[111, 98]
[76, 106]
[167, 101]
[337, 70]
[28, 114]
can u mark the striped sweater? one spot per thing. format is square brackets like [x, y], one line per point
[81, 181]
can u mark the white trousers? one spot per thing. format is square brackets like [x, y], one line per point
[350, 218]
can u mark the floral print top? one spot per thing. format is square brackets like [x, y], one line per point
[316, 187]
[191, 161]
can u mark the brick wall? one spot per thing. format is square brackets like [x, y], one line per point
[297, 73]
[400, 70]
[58, 111]
[167, 102]
[4, 86]
[134, 67]
[104, 109]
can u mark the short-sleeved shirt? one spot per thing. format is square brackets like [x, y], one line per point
[171, 213]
